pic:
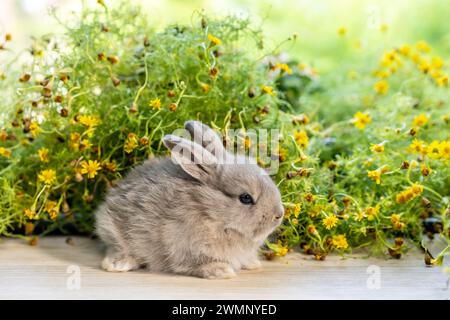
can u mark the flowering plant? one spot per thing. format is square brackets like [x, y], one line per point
[371, 169]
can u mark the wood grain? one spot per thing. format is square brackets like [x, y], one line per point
[41, 272]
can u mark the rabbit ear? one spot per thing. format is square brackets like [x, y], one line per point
[192, 157]
[206, 137]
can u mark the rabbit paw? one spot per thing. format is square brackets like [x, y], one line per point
[216, 270]
[118, 265]
[252, 265]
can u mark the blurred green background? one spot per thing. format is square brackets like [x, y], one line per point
[367, 26]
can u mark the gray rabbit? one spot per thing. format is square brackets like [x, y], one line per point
[200, 212]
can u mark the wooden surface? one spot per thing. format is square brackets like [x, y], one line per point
[44, 271]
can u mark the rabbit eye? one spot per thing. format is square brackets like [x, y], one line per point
[245, 198]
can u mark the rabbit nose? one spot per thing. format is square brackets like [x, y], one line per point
[279, 212]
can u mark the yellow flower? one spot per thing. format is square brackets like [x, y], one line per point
[300, 119]
[247, 143]
[404, 50]
[302, 138]
[424, 67]
[43, 154]
[442, 80]
[214, 40]
[51, 208]
[53, 214]
[131, 143]
[379, 147]
[433, 150]
[340, 241]
[382, 74]
[110, 166]
[444, 150]
[372, 212]
[5, 152]
[267, 90]
[315, 210]
[342, 31]
[49, 205]
[74, 141]
[279, 249]
[312, 229]
[346, 201]
[420, 120]
[47, 176]
[416, 58]
[287, 213]
[361, 119]
[155, 104]
[437, 62]
[89, 121]
[297, 209]
[214, 72]
[205, 87]
[282, 154]
[282, 251]
[90, 168]
[425, 170]
[436, 74]
[388, 58]
[381, 87]
[34, 128]
[416, 189]
[74, 137]
[384, 27]
[401, 197]
[410, 193]
[399, 225]
[330, 222]
[375, 175]
[360, 216]
[173, 107]
[30, 214]
[3, 135]
[284, 67]
[85, 144]
[309, 197]
[393, 69]
[302, 66]
[395, 218]
[418, 146]
[423, 46]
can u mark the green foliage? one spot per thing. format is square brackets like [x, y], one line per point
[97, 100]
[107, 92]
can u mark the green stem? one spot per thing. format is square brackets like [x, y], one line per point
[138, 94]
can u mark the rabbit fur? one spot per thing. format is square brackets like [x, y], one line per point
[177, 214]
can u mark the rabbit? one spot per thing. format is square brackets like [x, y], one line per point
[198, 218]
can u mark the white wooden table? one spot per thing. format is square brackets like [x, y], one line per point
[56, 270]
